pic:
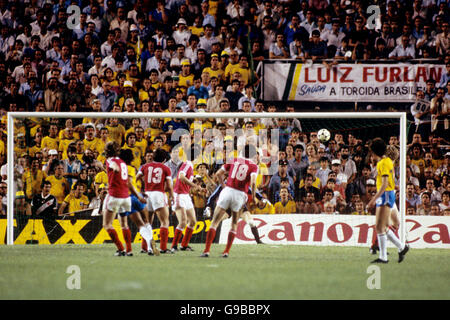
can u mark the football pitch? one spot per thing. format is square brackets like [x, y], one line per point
[252, 272]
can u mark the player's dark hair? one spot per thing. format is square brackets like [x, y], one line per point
[111, 149]
[378, 146]
[126, 155]
[160, 155]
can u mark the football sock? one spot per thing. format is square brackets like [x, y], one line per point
[187, 236]
[395, 230]
[127, 236]
[144, 245]
[395, 240]
[115, 238]
[177, 236]
[382, 239]
[231, 236]
[255, 233]
[163, 238]
[146, 234]
[209, 239]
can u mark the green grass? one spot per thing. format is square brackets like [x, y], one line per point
[262, 272]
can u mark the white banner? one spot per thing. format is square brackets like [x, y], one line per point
[347, 82]
[336, 230]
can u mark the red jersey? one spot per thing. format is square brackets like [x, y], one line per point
[239, 173]
[155, 175]
[117, 181]
[188, 170]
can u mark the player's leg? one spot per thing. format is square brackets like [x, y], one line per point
[146, 231]
[163, 216]
[232, 233]
[123, 219]
[382, 219]
[180, 212]
[392, 234]
[108, 218]
[191, 222]
[247, 217]
[211, 200]
[219, 214]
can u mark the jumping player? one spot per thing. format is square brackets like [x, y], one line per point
[183, 206]
[157, 178]
[242, 173]
[385, 200]
[118, 199]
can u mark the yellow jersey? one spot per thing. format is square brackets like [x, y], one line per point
[385, 167]
[58, 189]
[289, 207]
[76, 204]
[50, 143]
[268, 209]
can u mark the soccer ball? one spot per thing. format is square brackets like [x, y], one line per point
[323, 135]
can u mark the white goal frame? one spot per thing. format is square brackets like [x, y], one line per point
[300, 115]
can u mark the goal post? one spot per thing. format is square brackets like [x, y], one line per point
[400, 116]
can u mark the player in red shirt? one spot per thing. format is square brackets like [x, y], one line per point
[183, 206]
[156, 177]
[242, 173]
[118, 199]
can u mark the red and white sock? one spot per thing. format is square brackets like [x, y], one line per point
[187, 237]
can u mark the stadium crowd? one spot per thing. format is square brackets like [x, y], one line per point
[201, 56]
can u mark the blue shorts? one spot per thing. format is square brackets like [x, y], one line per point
[386, 199]
[136, 206]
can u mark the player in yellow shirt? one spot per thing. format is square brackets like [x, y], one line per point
[384, 200]
[285, 205]
[75, 200]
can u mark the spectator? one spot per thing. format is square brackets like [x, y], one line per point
[275, 180]
[424, 209]
[403, 51]
[310, 206]
[278, 50]
[286, 204]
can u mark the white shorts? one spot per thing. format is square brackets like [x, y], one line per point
[232, 199]
[117, 205]
[182, 200]
[156, 200]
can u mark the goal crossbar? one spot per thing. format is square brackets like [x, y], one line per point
[11, 116]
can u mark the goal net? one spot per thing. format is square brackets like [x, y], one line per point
[310, 191]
